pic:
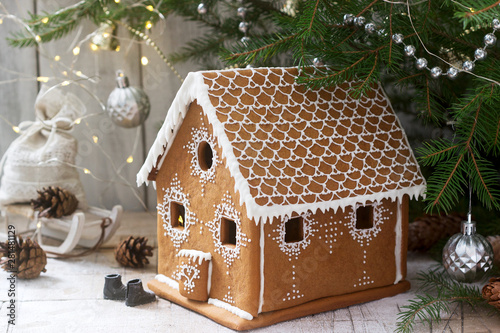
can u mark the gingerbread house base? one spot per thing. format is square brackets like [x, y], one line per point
[235, 322]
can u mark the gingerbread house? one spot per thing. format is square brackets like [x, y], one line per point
[276, 201]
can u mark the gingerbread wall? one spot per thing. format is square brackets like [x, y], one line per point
[206, 195]
[334, 257]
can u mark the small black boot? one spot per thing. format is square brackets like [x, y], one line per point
[113, 287]
[136, 295]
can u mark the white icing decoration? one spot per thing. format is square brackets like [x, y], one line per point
[190, 273]
[293, 249]
[237, 150]
[365, 236]
[262, 280]
[231, 308]
[397, 249]
[175, 194]
[209, 282]
[198, 136]
[168, 281]
[228, 298]
[227, 210]
[380, 214]
[195, 255]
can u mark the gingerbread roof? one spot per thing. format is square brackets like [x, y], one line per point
[291, 149]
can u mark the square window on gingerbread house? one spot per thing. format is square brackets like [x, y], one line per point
[227, 232]
[364, 217]
[294, 230]
[177, 215]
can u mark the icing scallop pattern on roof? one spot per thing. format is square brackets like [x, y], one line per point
[296, 146]
[291, 149]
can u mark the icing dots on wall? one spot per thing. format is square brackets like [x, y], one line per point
[364, 280]
[295, 293]
[294, 234]
[331, 231]
[228, 298]
[204, 156]
[226, 231]
[364, 223]
[176, 214]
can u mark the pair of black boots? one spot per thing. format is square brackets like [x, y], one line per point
[133, 294]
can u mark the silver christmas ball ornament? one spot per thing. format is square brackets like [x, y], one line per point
[480, 54]
[243, 26]
[436, 72]
[490, 39]
[452, 73]
[348, 19]
[421, 63]
[359, 21]
[127, 106]
[317, 62]
[496, 24]
[468, 65]
[397, 38]
[242, 12]
[410, 50]
[370, 28]
[202, 9]
[467, 256]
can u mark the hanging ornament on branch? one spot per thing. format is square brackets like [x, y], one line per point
[467, 256]
[127, 106]
[105, 38]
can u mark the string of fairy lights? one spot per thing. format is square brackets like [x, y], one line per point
[70, 75]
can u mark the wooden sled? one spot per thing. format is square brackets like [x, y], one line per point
[81, 228]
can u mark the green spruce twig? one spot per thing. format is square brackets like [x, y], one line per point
[438, 293]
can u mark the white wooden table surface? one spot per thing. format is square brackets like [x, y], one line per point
[68, 298]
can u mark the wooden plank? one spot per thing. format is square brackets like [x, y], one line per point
[18, 72]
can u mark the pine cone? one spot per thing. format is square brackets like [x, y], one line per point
[491, 292]
[54, 202]
[427, 230]
[132, 252]
[495, 244]
[25, 258]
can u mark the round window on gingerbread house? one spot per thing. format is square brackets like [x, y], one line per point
[205, 155]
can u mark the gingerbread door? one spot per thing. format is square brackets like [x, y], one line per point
[194, 274]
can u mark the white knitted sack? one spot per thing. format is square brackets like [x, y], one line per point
[44, 153]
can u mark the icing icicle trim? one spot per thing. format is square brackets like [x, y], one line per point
[234, 310]
[195, 255]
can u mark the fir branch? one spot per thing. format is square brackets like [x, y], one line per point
[440, 293]
[315, 11]
[428, 97]
[366, 80]
[252, 54]
[447, 183]
[367, 7]
[410, 77]
[482, 10]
